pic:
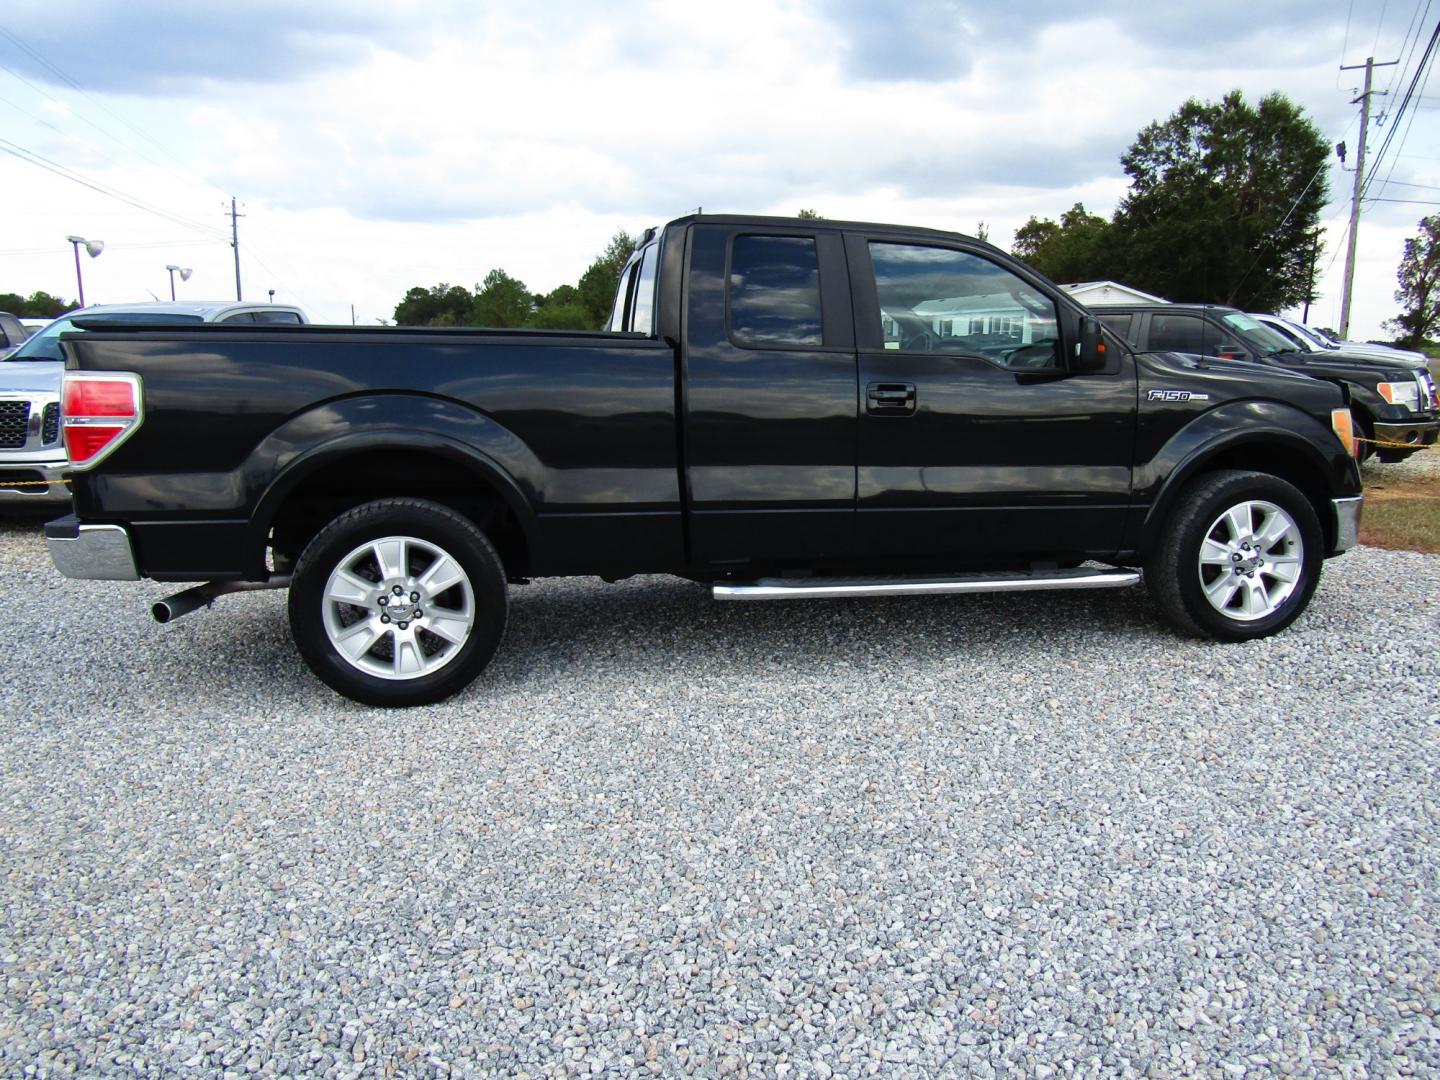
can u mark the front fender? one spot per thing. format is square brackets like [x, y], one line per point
[1266, 436]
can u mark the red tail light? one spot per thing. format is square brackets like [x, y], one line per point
[99, 411]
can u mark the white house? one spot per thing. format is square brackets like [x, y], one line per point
[1110, 292]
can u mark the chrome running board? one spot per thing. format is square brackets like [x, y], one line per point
[818, 588]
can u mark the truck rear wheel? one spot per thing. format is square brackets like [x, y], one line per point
[398, 602]
[1239, 557]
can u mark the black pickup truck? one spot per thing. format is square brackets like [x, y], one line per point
[1392, 402]
[779, 408]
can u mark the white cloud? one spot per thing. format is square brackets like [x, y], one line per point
[431, 143]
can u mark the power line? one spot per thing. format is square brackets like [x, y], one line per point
[1408, 45]
[1400, 112]
[29, 156]
[1379, 25]
[65, 78]
[1407, 183]
[118, 247]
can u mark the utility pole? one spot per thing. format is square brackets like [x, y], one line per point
[1310, 288]
[1364, 100]
[235, 243]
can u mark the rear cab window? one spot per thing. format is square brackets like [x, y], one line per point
[634, 307]
[1178, 333]
[773, 292]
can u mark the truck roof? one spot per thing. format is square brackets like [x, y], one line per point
[823, 223]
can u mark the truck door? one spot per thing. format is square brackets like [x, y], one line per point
[977, 444]
[769, 385]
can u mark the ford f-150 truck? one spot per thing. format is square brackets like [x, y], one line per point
[778, 408]
[1392, 401]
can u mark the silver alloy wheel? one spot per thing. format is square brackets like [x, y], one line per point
[1251, 560]
[398, 607]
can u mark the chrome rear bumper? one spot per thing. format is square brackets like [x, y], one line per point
[95, 552]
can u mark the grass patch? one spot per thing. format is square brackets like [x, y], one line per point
[1402, 524]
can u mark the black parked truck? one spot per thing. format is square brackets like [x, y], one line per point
[779, 408]
[1392, 401]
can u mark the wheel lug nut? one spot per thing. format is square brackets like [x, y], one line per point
[384, 618]
[383, 601]
[414, 597]
[404, 626]
[397, 590]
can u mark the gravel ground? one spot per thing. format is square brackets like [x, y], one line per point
[1012, 835]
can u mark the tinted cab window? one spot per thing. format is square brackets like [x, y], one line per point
[937, 300]
[774, 291]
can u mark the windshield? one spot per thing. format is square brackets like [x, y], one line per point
[45, 345]
[1309, 335]
[1260, 337]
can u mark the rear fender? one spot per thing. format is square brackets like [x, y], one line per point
[407, 423]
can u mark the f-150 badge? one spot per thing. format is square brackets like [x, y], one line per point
[1176, 395]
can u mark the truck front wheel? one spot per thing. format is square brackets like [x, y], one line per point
[1239, 557]
[398, 602]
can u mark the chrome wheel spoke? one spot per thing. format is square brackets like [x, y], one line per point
[1237, 519]
[390, 554]
[1283, 567]
[349, 588]
[441, 575]
[1273, 529]
[357, 640]
[453, 629]
[1214, 553]
[409, 660]
[1222, 590]
[1255, 600]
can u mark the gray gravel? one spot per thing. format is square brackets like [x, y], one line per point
[1023, 835]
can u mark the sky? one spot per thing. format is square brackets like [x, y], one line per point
[376, 146]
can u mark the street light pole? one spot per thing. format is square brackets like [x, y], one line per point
[184, 272]
[93, 248]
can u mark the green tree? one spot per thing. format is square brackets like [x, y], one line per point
[596, 288]
[501, 301]
[1222, 203]
[810, 215]
[561, 317]
[38, 305]
[1075, 249]
[1419, 292]
[439, 305]
[560, 309]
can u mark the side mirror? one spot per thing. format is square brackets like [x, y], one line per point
[1090, 353]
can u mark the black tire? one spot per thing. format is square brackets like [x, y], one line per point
[390, 556]
[1364, 446]
[1256, 595]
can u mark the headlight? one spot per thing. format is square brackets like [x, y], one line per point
[1428, 399]
[1405, 394]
